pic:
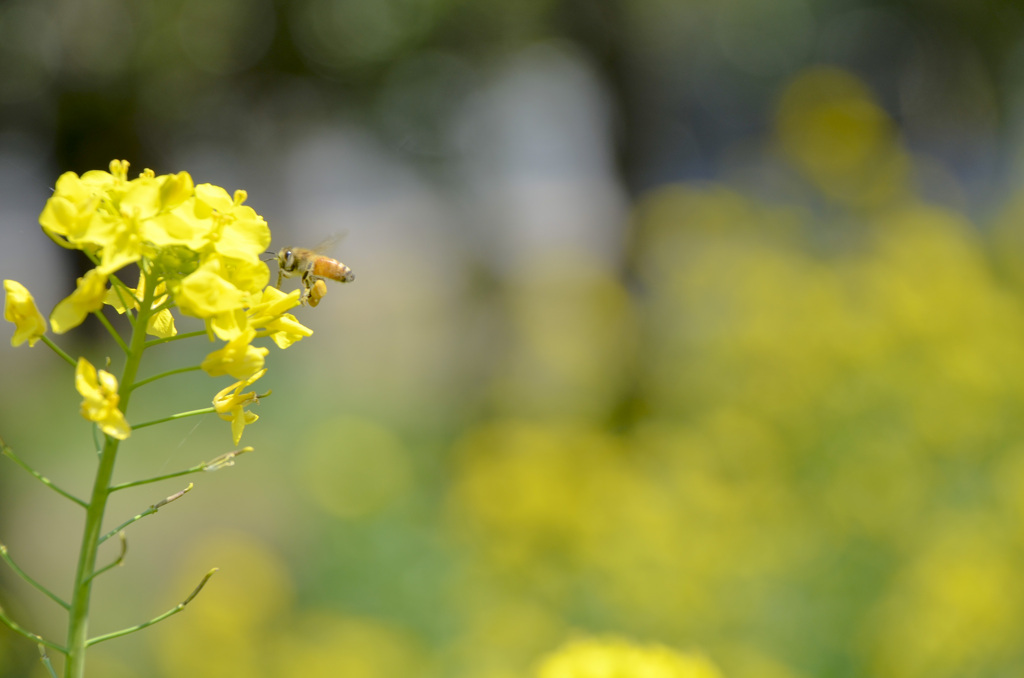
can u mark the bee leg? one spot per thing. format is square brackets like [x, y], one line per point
[278, 278]
[307, 284]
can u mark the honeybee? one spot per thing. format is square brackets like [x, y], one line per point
[313, 267]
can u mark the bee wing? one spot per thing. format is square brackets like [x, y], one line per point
[329, 242]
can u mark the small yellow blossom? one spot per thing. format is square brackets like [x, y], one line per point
[175, 189]
[70, 211]
[20, 309]
[268, 315]
[87, 297]
[239, 357]
[594, 658]
[160, 324]
[285, 330]
[240, 232]
[230, 405]
[99, 390]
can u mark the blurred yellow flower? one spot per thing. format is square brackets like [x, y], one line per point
[99, 390]
[616, 658]
[230, 405]
[239, 357]
[20, 309]
[831, 128]
[87, 297]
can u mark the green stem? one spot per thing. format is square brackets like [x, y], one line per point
[176, 337]
[179, 415]
[174, 610]
[28, 634]
[121, 290]
[78, 617]
[110, 328]
[57, 349]
[24, 575]
[148, 512]
[46, 661]
[118, 561]
[224, 460]
[168, 476]
[9, 453]
[166, 374]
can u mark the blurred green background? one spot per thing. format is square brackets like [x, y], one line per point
[697, 323]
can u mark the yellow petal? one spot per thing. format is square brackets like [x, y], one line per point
[20, 309]
[87, 297]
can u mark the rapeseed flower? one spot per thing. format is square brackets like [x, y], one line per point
[100, 404]
[199, 247]
[161, 324]
[239, 357]
[193, 247]
[87, 297]
[230, 405]
[268, 315]
[20, 309]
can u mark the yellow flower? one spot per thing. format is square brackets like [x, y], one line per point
[268, 316]
[205, 292]
[176, 189]
[592, 658]
[87, 297]
[285, 330]
[175, 221]
[161, 324]
[69, 212]
[230, 405]
[99, 390]
[84, 212]
[20, 309]
[239, 357]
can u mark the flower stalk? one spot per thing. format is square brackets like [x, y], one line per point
[197, 249]
[78, 616]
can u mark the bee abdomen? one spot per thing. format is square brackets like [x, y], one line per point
[326, 267]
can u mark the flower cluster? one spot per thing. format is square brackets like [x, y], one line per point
[196, 247]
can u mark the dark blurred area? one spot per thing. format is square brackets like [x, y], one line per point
[689, 322]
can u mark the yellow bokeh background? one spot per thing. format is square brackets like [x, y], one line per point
[785, 440]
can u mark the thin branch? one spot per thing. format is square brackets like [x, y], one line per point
[97, 441]
[25, 575]
[165, 374]
[169, 303]
[226, 459]
[174, 610]
[110, 328]
[117, 561]
[9, 453]
[176, 337]
[120, 289]
[180, 415]
[57, 349]
[148, 512]
[45, 659]
[28, 634]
